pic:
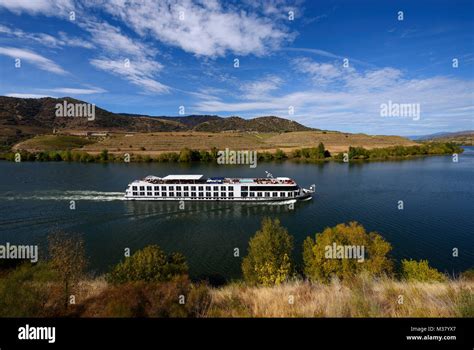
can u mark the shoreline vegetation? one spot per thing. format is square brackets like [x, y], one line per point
[152, 283]
[186, 155]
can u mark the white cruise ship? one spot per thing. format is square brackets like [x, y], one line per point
[197, 188]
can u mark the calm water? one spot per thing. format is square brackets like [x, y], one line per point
[438, 196]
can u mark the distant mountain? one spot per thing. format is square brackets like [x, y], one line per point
[464, 137]
[25, 117]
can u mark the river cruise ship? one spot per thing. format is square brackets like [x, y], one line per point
[198, 188]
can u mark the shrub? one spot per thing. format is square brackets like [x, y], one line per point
[320, 265]
[269, 258]
[175, 298]
[468, 275]
[24, 291]
[104, 155]
[420, 271]
[67, 259]
[280, 155]
[150, 264]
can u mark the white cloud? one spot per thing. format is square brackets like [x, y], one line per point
[111, 40]
[21, 95]
[47, 7]
[46, 39]
[77, 91]
[206, 27]
[139, 73]
[356, 104]
[33, 58]
[321, 73]
[261, 87]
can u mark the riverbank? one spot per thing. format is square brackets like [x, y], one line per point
[153, 283]
[186, 155]
[360, 297]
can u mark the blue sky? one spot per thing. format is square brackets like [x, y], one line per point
[152, 57]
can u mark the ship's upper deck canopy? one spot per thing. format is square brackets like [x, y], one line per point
[195, 179]
[182, 177]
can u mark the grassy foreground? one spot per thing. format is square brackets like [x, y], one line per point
[152, 283]
[359, 298]
[362, 297]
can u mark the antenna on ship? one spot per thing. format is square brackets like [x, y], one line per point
[269, 175]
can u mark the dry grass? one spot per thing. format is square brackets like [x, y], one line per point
[156, 143]
[360, 298]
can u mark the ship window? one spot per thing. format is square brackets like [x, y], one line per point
[186, 194]
[163, 188]
[193, 194]
[231, 188]
[178, 188]
[149, 194]
[163, 194]
[282, 194]
[215, 194]
[201, 194]
[142, 193]
[157, 188]
[252, 194]
[290, 194]
[267, 194]
[135, 193]
[245, 188]
[186, 188]
[201, 188]
[223, 188]
[157, 194]
[171, 188]
[259, 194]
[244, 194]
[178, 194]
[171, 194]
[193, 188]
[275, 194]
[148, 188]
[208, 188]
[134, 188]
[142, 188]
[208, 194]
[231, 194]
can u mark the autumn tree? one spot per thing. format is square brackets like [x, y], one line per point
[149, 264]
[67, 259]
[269, 256]
[321, 263]
[420, 271]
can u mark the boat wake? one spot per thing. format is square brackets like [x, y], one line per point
[94, 196]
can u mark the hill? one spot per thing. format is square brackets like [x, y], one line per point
[464, 137]
[22, 118]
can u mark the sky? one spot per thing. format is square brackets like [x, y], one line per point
[326, 64]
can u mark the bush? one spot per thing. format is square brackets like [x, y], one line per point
[279, 155]
[420, 271]
[269, 258]
[24, 291]
[150, 264]
[320, 265]
[67, 259]
[104, 155]
[468, 275]
[175, 298]
[188, 155]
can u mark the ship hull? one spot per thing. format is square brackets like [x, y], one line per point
[306, 196]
